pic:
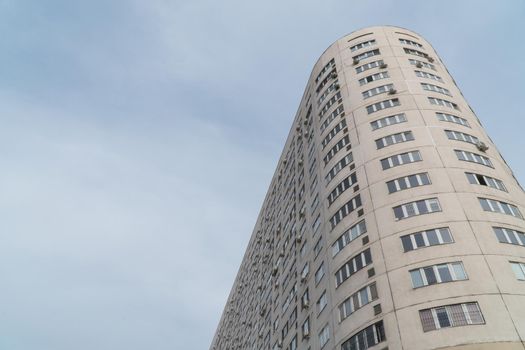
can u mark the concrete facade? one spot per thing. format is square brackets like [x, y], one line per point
[440, 274]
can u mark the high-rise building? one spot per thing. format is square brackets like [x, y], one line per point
[392, 221]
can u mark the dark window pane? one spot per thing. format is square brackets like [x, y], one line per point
[407, 243]
[413, 181]
[370, 339]
[398, 212]
[442, 317]
[429, 273]
[419, 240]
[391, 187]
[421, 205]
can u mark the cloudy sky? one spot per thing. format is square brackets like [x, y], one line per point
[138, 138]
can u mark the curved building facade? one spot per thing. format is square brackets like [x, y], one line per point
[392, 220]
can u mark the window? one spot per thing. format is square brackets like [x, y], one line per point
[406, 182]
[306, 328]
[507, 235]
[338, 167]
[394, 138]
[483, 180]
[366, 338]
[348, 236]
[377, 90]
[341, 187]
[333, 132]
[324, 336]
[305, 271]
[293, 344]
[369, 65]
[390, 120]
[415, 52]
[352, 266]
[345, 210]
[426, 238]
[461, 136]
[338, 111]
[382, 105]
[362, 44]
[410, 42]
[473, 158]
[329, 77]
[421, 207]
[345, 141]
[441, 102]
[305, 299]
[333, 87]
[373, 77]
[316, 224]
[500, 207]
[418, 63]
[400, 159]
[519, 270]
[452, 119]
[318, 246]
[319, 273]
[357, 300]
[435, 88]
[427, 75]
[366, 54]
[325, 69]
[315, 203]
[322, 302]
[451, 316]
[441, 273]
[329, 104]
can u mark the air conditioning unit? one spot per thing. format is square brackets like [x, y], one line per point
[276, 285]
[333, 75]
[306, 134]
[274, 271]
[419, 65]
[336, 86]
[280, 343]
[306, 334]
[300, 162]
[383, 65]
[305, 122]
[482, 146]
[392, 91]
[285, 160]
[298, 238]
[430, 59]
[355, 61]
[305, 304]
[302, 212]
[303, 279]
[281, 253]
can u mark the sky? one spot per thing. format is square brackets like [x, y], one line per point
[138, 139]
